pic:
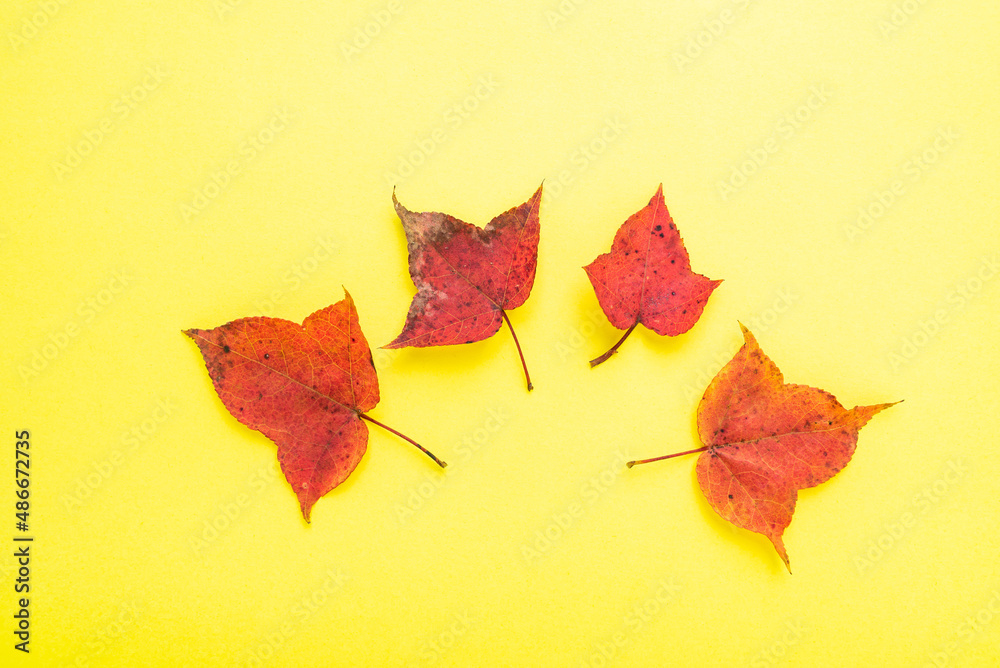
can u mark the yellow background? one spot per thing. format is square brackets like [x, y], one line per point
[164, 535]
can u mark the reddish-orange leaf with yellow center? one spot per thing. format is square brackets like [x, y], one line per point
[765, 440]
[467, 277]
[306, 387]
[647, 277]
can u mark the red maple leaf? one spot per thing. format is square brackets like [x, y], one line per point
[765, 440]
[468, 277]
[306, 387]
[647, 277]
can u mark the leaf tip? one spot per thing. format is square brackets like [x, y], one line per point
[779, 545]
[396, 205]
[748, 337]
[868, 412]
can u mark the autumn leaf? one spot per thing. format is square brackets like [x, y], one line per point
[306, 387]
[467, 277]
[647, 277]
[764, 440]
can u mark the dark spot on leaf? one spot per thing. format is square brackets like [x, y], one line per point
[658, 228]
[730, 496]
[225, 349]
[267, 356]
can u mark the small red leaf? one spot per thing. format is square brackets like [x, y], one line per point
[765, 440]
[466, 276]
[647, 277]
[304, 386]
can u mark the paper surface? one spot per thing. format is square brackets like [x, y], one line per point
[169, 168]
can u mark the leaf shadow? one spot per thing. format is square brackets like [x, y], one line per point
[358, 474]
[239, 429]
[244, 435]
[756, 543]
[663, 345]
[590, 316]
[462, 358]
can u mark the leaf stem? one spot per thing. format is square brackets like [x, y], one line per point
[524, 366]
[405, 438]
[604, 358]
[656, 459]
